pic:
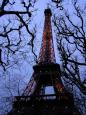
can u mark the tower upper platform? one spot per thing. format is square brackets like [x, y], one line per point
[48, 12]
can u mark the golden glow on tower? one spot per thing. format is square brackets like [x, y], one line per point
[47, 54]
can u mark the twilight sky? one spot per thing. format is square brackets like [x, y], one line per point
[26, 69]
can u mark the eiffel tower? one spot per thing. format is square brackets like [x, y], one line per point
[35, 100]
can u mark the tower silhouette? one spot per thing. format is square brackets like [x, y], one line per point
[35, 100]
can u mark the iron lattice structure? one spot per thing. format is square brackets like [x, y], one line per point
[46, 61]
[47, 54]
[34, 100]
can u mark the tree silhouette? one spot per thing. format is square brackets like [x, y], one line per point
[15, 19]
[70, 32]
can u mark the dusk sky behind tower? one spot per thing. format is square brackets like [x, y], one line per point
[21, 75]
[38, 19]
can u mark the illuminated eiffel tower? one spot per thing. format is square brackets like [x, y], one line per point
[35, 100]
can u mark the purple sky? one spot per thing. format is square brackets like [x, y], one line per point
[26, 69]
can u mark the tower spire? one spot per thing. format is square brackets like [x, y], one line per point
[47, 54]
